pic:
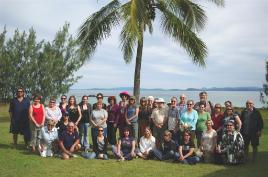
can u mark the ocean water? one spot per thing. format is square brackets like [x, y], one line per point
[238, 98]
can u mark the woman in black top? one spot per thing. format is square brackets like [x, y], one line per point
[83, 125]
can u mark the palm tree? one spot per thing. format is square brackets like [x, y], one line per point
[179, 19]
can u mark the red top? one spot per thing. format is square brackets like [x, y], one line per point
[38, 114]
[217, 120]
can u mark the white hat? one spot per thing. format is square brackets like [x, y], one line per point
[150, 98]
[160, 100]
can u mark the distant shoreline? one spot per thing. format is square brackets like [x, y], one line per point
[188, 89]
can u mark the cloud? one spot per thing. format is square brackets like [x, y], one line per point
[235, 36]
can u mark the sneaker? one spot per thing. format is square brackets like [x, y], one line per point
[74, 155]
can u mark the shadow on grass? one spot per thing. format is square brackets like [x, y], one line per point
[4, 120]
[250, 169]
[10, 146]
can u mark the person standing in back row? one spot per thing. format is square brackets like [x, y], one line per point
[37, 121]
[252, 125]
[99, 97]
[86, 110]
[18, 111]
[203, 99]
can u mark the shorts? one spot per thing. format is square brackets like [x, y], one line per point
[253, 139]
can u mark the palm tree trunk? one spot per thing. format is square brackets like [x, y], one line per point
[137, 75]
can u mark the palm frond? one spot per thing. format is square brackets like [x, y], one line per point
[128, 41]
[135, 12]
[98, 26]
[181, 33]
[218, 2]
[189, 12]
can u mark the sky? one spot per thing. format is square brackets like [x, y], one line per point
[236, 37]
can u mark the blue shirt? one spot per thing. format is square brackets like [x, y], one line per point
[19, 109]
[68, 139]
[131, 111]
[190, 119]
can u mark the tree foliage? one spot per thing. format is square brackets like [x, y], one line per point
[179, 20]
[43, 67]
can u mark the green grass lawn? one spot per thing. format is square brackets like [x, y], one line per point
[19, 162]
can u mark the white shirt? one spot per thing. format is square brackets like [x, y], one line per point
[147, 144]
[53, 114]
[159, 115]
[208, 140]
[98, 116]
[47, 137]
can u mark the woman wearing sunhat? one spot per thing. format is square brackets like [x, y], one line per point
[121, 115]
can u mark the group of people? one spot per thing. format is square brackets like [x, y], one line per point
[150, 129]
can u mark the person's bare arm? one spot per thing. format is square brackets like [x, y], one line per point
[80, 115]
[135, 115]
[31, 116]
[189, 153]
[63, 148]
[238, 121]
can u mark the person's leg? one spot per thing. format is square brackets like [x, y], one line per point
[198, 137]
[246, 143]
[105, 157]
[127, 156]
[65, 156]
[81, 134]
[109, 132]
[193, 135]
[26, 133]
[254, 153]
[176, 156]
[157, 154]
[193, 160]
[136, 130]
[34, 137]
[15, 140]
[77, 147]
[92, 155]
[94, 133]
[104, 132]
[114, 151]
[85, 138]
[169, 155]
[113, 135]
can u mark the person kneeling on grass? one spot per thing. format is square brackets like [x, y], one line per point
[146, 145]
[48, 139]
[69, 142]
[186, 150]
[167, 148]
[99, 147]
[125, 147]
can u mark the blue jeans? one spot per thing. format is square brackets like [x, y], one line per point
[189, 160]
[134, 129]
[164, 156]
[83, 133]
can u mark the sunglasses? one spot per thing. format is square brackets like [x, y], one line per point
[189, 104]
[63, 98]
[100, 130]
[52, 102]
[19, 91]
[229, 125]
